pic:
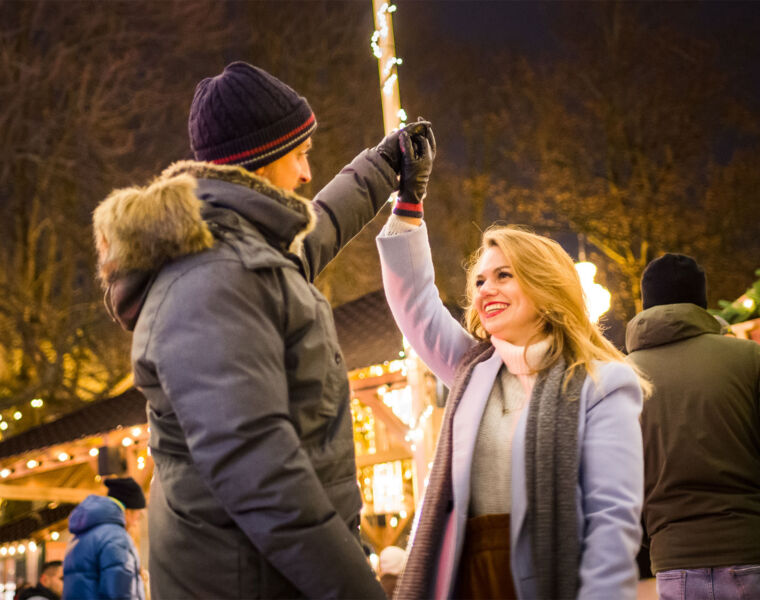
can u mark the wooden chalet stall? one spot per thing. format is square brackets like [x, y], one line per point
[396, 405]
[45, 471]
[395, 402]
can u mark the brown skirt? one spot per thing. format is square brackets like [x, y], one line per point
[484, 569]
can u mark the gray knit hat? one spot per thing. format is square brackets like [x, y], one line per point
[247, 117]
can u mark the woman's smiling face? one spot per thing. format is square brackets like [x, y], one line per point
[504, 309]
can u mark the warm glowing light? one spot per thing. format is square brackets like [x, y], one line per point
[94, 452]
[3, 551]
[17, 415]
[597, 297]
[31, 464]
[389, 83]
[37, 402]
[135, 431]
[127, 441]
[21, 548]
[748, 303]
[63, 457]
[32, 547]
[54, 535]
[388, 487]
[12, 550]
[400, 402]
[3, 425]
[394, 521]
[396, 365]
[5, 472]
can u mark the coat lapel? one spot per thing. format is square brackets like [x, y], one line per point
[467, 417]
[465, 427]
[519, 497]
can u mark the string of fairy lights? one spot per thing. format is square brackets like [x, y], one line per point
[79, 453]
[15, 415]
[383, 50]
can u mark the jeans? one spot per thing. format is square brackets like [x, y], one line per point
[740, 582]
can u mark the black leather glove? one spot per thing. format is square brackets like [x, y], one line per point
[389, 148]
[418, 148]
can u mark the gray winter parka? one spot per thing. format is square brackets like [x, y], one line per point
[255, 493]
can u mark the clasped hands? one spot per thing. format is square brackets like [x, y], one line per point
[410, 150]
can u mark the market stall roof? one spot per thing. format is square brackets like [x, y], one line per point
[367, 332]
[98, 417]
[25, 526]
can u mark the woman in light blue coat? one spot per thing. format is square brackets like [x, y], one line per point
[537, 483]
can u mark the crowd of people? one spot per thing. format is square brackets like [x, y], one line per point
[555, 447]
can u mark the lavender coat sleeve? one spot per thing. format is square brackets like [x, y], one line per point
[612, 483]
[409, 281]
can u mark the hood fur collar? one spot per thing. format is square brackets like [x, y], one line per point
[240, 176]
[141, 228]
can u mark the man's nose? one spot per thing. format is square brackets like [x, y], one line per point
[305, 174]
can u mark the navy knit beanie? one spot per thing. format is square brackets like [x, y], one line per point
[671, 279]
[127, 491]
[247, 117]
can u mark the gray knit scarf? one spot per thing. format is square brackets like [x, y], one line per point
[552, 474]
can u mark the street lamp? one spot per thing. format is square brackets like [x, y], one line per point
[598, 298]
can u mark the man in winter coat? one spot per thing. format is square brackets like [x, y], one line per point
[101, 560]
[50, 584]
[212, 266]
[701, 430]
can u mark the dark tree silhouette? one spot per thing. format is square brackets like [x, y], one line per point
[93, 96]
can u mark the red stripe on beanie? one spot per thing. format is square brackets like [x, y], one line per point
[239, 155]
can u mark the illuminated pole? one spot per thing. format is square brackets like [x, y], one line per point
[384, 49]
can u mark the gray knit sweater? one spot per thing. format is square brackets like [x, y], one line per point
[491, 478]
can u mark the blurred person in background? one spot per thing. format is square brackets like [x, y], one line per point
[101, 559]
[701, 431]
[50, 584]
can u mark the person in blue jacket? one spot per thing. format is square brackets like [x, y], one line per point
[101, 560]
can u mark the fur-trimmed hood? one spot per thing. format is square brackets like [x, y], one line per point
[139, 229]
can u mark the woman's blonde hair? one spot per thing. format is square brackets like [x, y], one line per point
[548, 277]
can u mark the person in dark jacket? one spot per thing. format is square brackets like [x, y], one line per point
[701, 431]
[50, 584]
[212, 266]
[101, 559]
